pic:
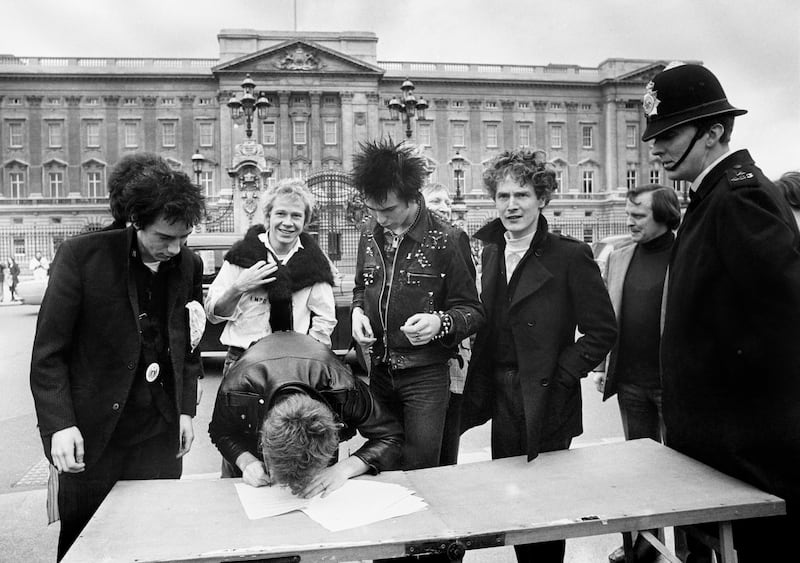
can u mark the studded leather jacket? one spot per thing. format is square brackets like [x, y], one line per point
[429, 274]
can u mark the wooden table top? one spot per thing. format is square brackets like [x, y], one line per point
[581, 492]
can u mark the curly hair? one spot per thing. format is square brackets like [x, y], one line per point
[299, 438]
[382, 167]
[291, 187]
[524, 167]
[789, 184]
[124, 174]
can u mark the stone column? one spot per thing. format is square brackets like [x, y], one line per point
[373, 115]
[149, 129]
[612, 156]
[35, 143]
[284, 135]
[539, 140]
[508, 125]
[440, 141]
[349, 145]
[73, 134]
[315, 140]
[185, 132]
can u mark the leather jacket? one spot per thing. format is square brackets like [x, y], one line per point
[289, 360]
[430, 274]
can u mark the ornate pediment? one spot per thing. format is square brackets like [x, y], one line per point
[298, 57]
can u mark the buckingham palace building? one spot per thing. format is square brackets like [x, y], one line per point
[66, 121]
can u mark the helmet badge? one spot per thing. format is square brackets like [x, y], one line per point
[650, 101]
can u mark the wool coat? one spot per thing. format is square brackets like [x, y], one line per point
[88, 342]
[559, 289]
[730, 350]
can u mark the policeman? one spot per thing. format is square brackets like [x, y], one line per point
[729, 354]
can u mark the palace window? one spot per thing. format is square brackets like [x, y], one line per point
[524, 135]
[168, 129]
[555, 136]
[206, 133]
[16, 181]
[15, 135]
[588, 181]
[631, 136]
[93, 134]
[55, 131]
[491, 135]
[424, 133]
[655, 176]
[587, 134]
[630, 177]
[95, 187]
[55, 184]
[299, 132]
[131, 134]
[330, 132]
[268, 133]
[459, 134]
[207, 182]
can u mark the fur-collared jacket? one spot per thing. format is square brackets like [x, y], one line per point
[300, 298]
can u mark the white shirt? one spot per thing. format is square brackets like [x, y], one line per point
[250, 320]
[704, 173]
[515, 250]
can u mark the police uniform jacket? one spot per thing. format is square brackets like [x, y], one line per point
[87, 347]
[430, 273]
[559, 288]
[289, 360]
[730, 349]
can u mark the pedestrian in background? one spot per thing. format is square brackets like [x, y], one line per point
[789, 184]
[729, 349]
[414, 298]
[635, 279]
[537, 288]
[437, 199]
[115, 361]
[39, 266]
[12, 277]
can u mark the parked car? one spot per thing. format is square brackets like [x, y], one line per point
[31, 291]
[603, 248]
[211, 247]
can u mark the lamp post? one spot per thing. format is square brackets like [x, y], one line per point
[248, 105]
[197, 166]
[459, 206]
[408, 106]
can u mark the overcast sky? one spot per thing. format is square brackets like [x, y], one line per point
[753, 46]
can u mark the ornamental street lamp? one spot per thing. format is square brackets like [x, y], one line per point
[248, 105]
[407, 106]
[197, 166]
[459, 206]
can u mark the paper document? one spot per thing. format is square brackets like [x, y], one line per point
[357, 503]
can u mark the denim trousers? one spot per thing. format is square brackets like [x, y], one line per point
[418, 398]
[640, 410]
[80, 494]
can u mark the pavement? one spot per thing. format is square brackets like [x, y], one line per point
[25, 535]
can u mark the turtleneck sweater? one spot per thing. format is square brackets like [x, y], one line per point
[639, 338]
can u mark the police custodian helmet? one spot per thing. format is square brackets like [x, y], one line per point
[682, 93]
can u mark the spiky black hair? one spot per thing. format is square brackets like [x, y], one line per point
[382, 167]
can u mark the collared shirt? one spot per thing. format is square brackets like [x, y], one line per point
[704, 173]
[249, 322]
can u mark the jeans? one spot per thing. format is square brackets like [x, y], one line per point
[509, 438]
[451, 439]
[640, 410]
[418, 398]
[80, 494]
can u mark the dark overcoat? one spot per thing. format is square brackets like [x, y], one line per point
[559, 289]
[730, 350]
[88, 339]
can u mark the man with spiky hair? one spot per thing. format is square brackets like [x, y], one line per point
[414, 298]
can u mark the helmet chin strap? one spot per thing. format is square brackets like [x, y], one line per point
[699, 133]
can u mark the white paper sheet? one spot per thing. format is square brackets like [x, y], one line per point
[357, 503]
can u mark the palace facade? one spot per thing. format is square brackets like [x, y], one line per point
[65, 122]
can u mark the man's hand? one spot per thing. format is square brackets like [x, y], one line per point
[255, 276]
[420, 328]
[187, 435]
[333, 477]
[361, 328]
[599, 378]
[66, 448]
[255, 475]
